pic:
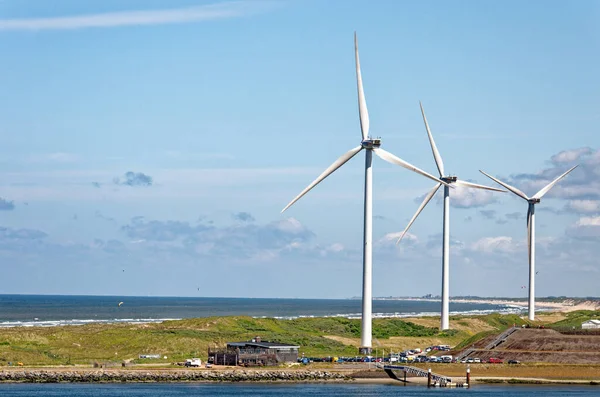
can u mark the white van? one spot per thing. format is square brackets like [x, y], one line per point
[446, 359]
[193, 362]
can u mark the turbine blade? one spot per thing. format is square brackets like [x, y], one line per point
[506, 185]
[336, 164]
[423, 204]
[362, 103]
[390, 158]
[549, 186]
[436, 154]
[529, 234]
[477, 186]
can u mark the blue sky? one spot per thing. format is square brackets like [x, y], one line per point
[221, 112]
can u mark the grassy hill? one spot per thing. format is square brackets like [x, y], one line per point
[576, 318]
[191, 337]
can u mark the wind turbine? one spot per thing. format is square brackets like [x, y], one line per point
[533, 200]
[370, 145]
[445, 321]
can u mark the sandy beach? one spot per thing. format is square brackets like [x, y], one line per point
[568, 305]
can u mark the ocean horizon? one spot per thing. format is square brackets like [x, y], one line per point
[55, 310]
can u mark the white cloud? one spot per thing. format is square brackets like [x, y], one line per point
[174, 183]
[231, 9]
[589, 221]
[462, 197]
[500, 244]
[337, 247]
[581, 184]
[391, 238]
[583, 206]
[289, 225]
[568, 156]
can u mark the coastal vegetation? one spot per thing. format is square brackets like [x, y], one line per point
[181, 339]
[575, 319]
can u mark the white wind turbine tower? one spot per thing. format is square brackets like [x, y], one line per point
[370, 145]
[445, 312]
[535, 199]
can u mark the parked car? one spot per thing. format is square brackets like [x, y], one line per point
[476, 360]
[514, 362]
[494, 360]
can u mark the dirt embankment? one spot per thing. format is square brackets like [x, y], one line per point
[545, 345]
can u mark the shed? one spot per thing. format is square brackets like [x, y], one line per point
[591, 324]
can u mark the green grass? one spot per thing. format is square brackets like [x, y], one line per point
[574, 319]
[182, 339]
[503, 321]
[188, 338]
[472, 339]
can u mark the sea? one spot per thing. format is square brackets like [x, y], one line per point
[297, 389]
[54, 310]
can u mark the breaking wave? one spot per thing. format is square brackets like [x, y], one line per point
[58, 323]
[508, 309]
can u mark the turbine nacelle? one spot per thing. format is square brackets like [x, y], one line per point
[370, 143]
[534, 200]
[449, 179]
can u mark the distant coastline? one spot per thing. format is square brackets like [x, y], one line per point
[566, 305]
[51, 311]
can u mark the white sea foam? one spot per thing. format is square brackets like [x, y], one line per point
[56, 323]
[507, 309]
[503, 309]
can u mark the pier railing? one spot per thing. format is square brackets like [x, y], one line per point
[501, 338]
[414, 371]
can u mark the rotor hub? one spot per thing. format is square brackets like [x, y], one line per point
[370, 143]
[449, 179]
[534, 200]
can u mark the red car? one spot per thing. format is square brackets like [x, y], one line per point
[495, 361]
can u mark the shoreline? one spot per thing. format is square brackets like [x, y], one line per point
[262, 376]
[509, 307]
[568, 305]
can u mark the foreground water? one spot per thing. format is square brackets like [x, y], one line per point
[52, 310]
[187, 390]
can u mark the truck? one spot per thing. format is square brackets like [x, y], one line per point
[193, 362]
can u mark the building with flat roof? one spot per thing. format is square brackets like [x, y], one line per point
[254, 352]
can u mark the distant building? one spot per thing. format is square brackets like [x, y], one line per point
[254, 352]
[591, 324]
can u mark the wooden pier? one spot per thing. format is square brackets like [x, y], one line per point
[400, 372]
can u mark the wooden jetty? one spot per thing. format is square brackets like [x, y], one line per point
[400, 372]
